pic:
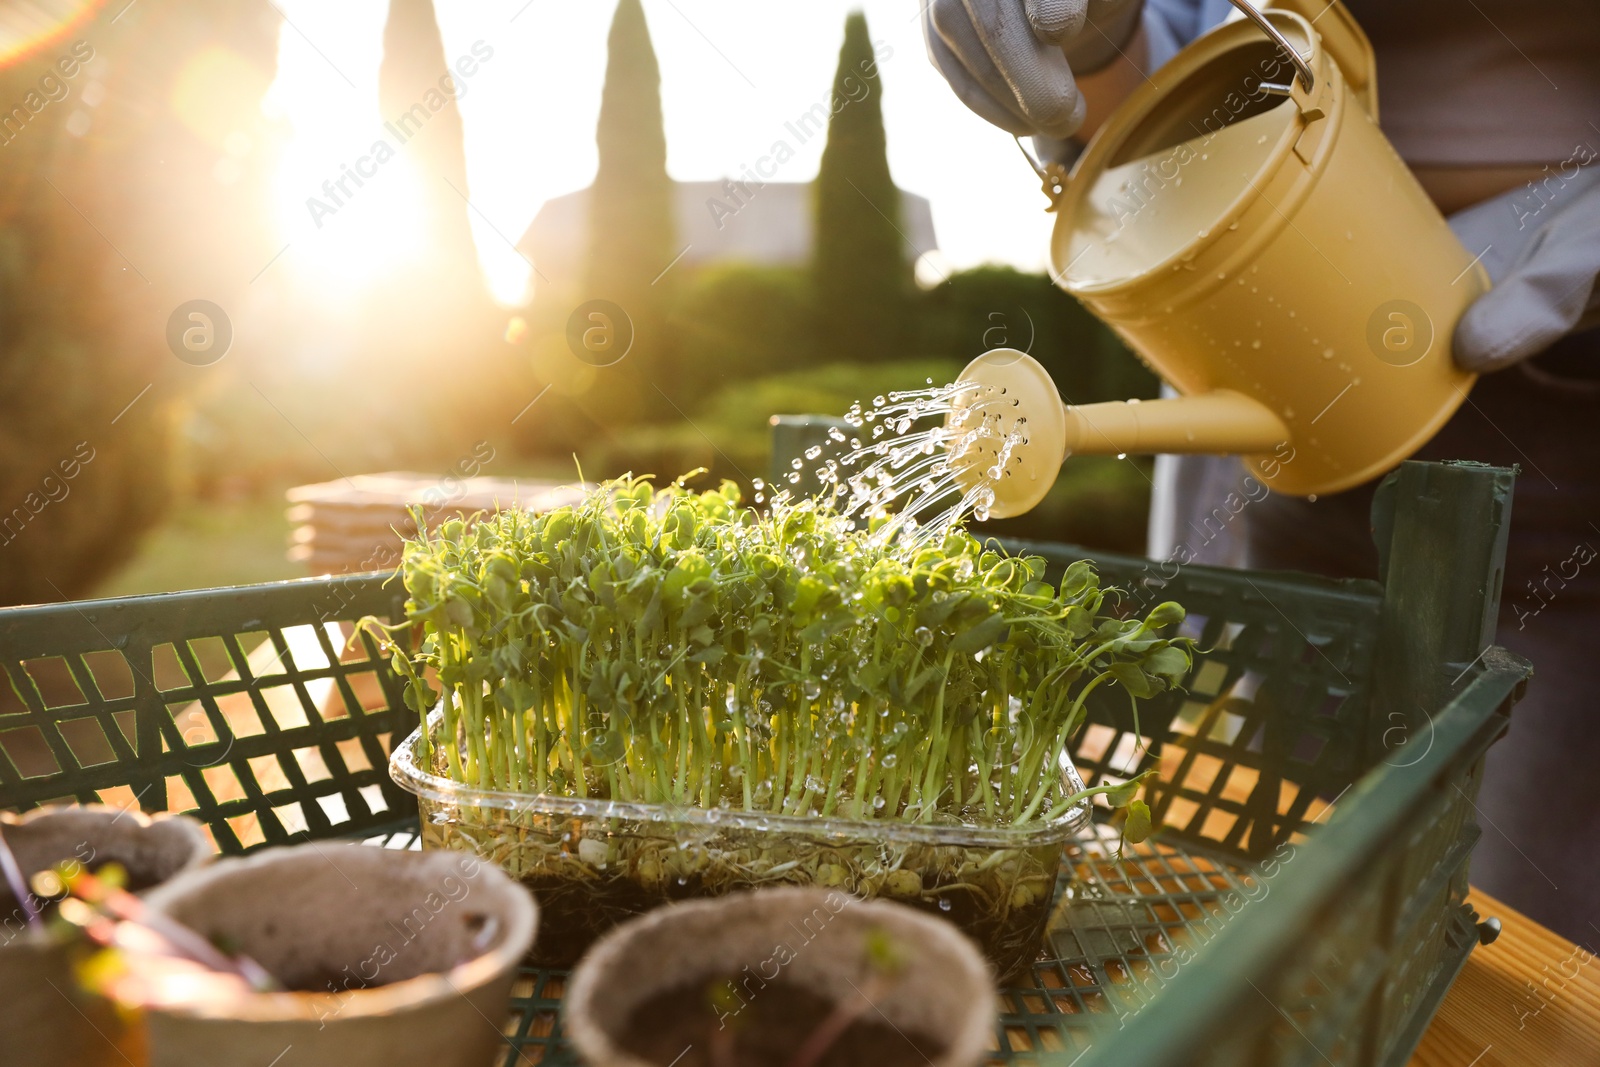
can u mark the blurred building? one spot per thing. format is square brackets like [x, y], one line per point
[766, 223]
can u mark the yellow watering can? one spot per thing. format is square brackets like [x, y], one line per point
[1246, 229]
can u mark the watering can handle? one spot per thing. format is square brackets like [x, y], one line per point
[1343, 39]
[1308, 80]
[1341, 35]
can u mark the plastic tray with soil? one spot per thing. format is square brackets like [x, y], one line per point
[658, 693]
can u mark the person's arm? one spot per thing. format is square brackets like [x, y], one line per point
[1108, 87]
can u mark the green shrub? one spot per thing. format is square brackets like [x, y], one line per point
[999, 307]
[729, 434]
[1097, 501]
[738, 320]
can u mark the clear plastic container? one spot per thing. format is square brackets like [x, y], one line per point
[594, 863]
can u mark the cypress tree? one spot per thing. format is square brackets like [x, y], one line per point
[861, 270]
[436, 312]
[631, 226]
[411, 96]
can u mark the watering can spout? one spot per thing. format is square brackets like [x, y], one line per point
[1013, 432]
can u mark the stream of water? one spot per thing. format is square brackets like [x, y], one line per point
[922, 460]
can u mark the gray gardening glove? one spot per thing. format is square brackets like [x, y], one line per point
[1543, 256]
[1011, 61]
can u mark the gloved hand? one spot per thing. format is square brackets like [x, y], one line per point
[1011, 61]
[1543, 256]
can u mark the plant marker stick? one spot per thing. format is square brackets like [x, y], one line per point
[121, 904]
[18, 884]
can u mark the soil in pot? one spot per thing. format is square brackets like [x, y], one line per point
[683, 1026]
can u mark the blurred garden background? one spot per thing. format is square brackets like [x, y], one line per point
[150, 160]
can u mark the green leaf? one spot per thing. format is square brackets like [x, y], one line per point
[1079, 621]
[458, 611]
[421, 697]
[1121, 796]
[933, 613]
[1164, 614]
[1133, 679]
[696, 612]
[688, 569]
[981, 636]
[1136, 827]
[1169, 664]
[1079, 578]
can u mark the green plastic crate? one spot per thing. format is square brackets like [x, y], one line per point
[1319, 772]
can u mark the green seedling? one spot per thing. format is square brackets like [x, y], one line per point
[667, 646]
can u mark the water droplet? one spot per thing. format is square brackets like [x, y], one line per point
[878, 401]
[888, 761]
[944, 903]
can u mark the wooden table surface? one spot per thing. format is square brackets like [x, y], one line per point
[1530, 999]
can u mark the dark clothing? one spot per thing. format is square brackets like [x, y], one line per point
[1540, 800]
[1485, 83]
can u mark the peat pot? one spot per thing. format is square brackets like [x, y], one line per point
[390, 957]
[769, 972]
[45, 1018]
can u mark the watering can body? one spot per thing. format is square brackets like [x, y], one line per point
[1248, 231]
